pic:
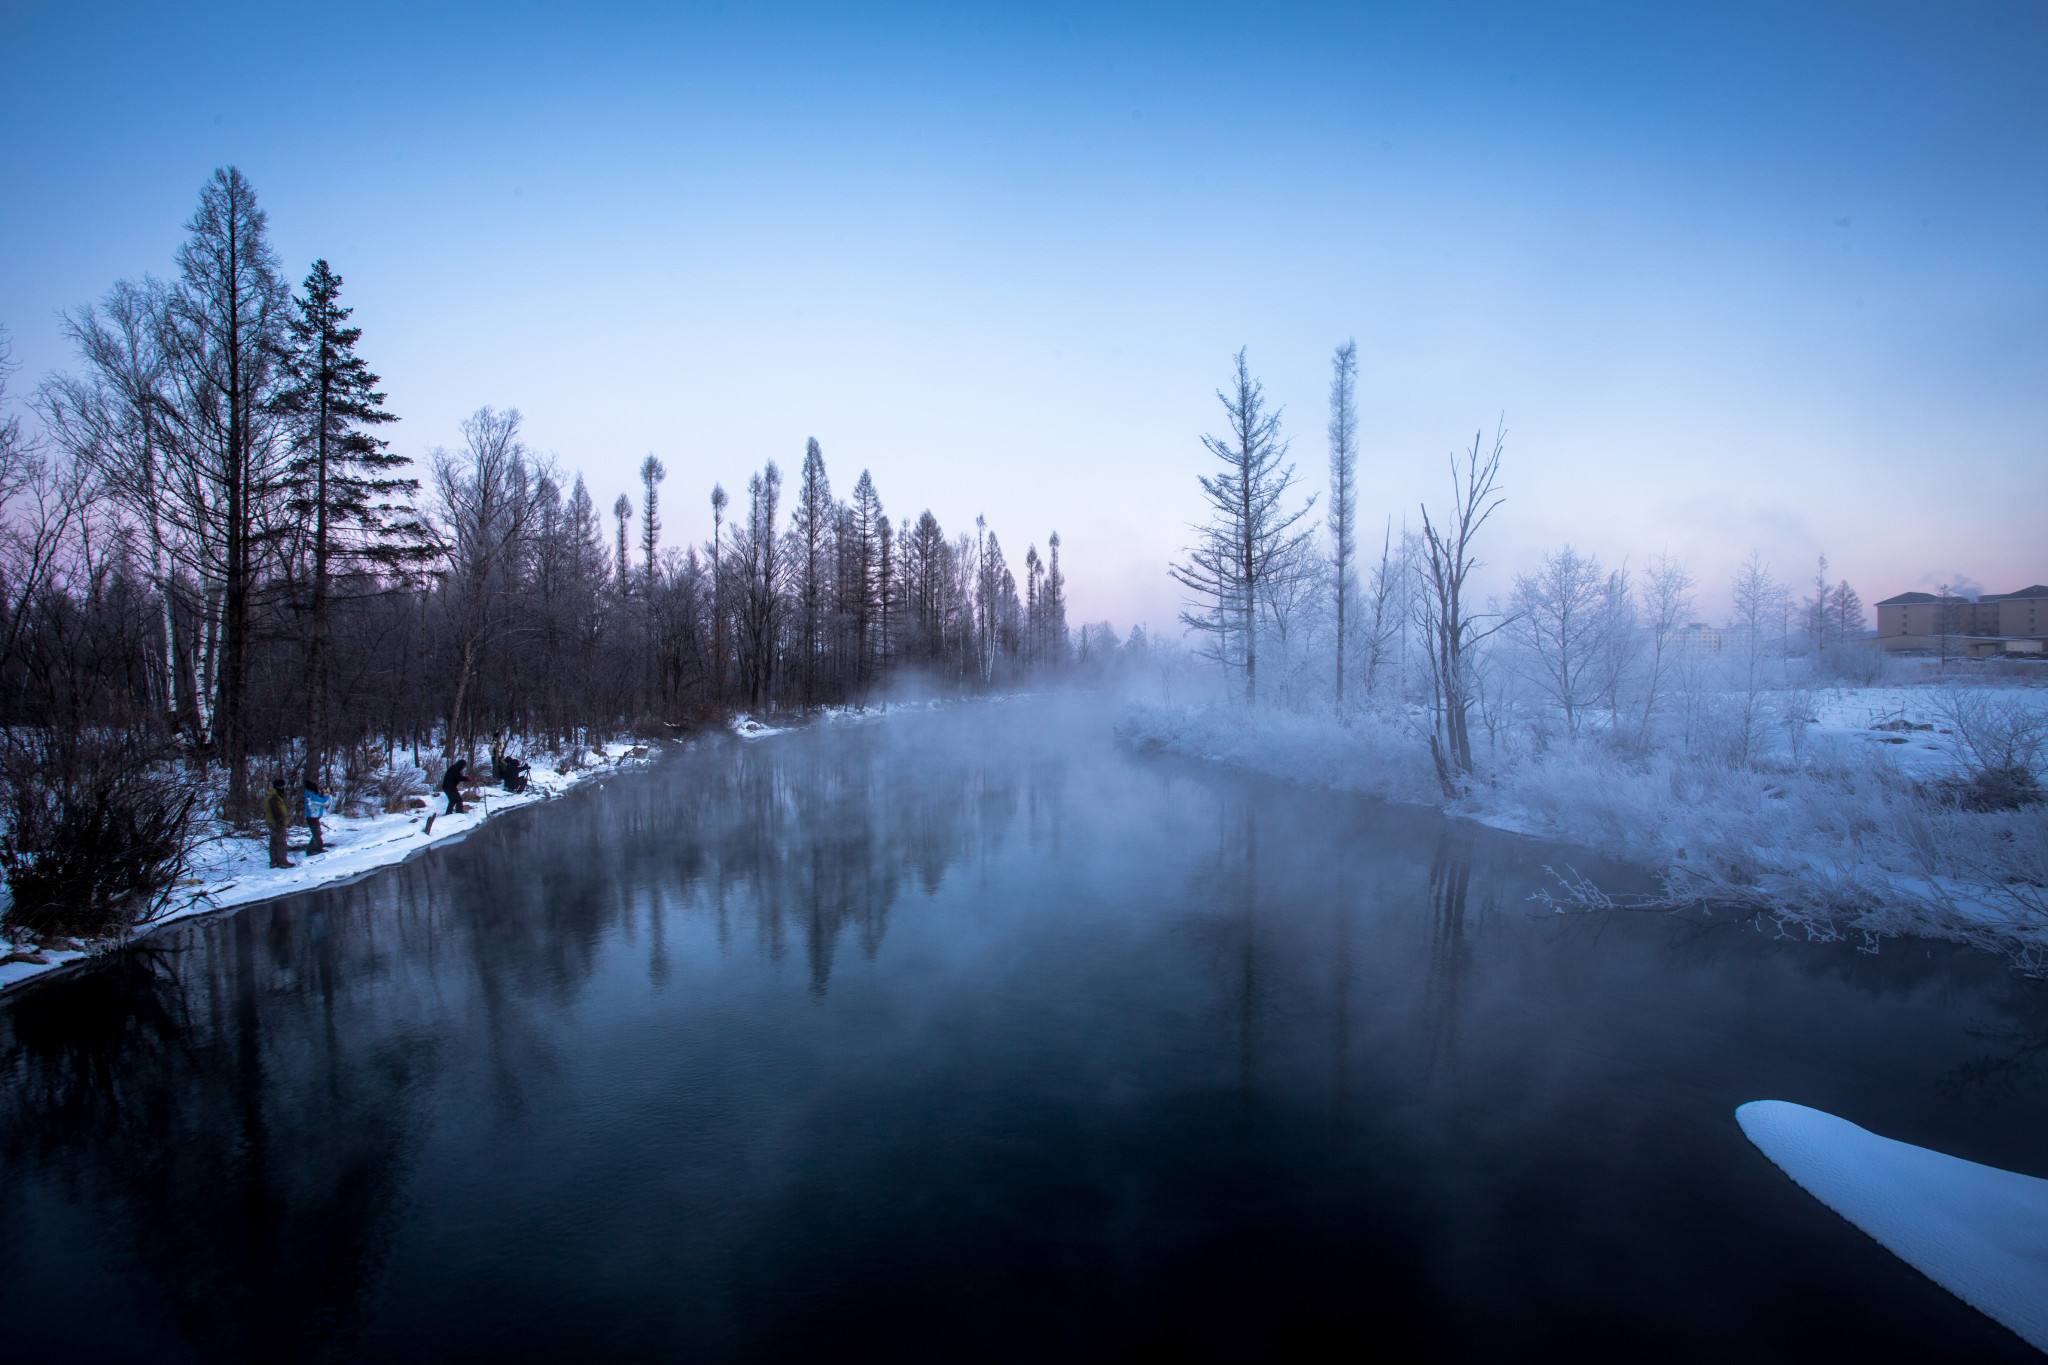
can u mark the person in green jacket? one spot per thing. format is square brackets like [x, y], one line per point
[279, 814]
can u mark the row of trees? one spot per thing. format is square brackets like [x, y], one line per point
[1570, 644]
[1255, 572]
[210, 543]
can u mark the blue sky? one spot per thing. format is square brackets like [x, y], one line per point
[1768, 277]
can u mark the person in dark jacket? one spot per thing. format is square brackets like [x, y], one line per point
[451, 785]
[509, 772]
[316, 806]
[279, 815]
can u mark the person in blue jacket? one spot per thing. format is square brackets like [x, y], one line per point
[316, 806]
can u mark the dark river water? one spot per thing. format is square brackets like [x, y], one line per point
[968, 1036]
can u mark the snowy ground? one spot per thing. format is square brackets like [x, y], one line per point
[1829, 832]
[1978, 1232]
[232, 870]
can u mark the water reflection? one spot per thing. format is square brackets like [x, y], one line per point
[997, 1012]
[1450, 882]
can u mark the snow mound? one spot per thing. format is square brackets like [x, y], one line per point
[1978, 1232]
[746, 727]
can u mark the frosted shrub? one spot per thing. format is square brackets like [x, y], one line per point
[1999, 741]
[1858, 665]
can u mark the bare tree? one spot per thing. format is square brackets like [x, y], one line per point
[38, 507]
[757, 547]
[1386, 607]
[223, 333]
[718, 505]
[1451, 630]
[1249, 533]
[110, 422]
[1757, 595]
[1667, 606]
[487, 502]
[1558, 614]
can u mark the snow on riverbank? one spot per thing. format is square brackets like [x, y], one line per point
[232, 870]
[1978, 1232]
[1833, 837]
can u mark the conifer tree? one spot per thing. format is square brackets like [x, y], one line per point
[651, 475]
[622, 510]
[1052, 604]
[865, 524]
[353, 496]
[811, 526]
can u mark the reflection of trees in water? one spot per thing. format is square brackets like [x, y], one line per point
[231, 1113]
[1226, 887]
[2015, 1051]
[1450, 951]
[237, 1104]
[817, 840]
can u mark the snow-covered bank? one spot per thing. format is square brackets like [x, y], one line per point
[1978, 1232]
[229, 870]
[1836, 841]
[751, 727]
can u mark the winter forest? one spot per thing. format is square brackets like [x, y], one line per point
[982, 683]
[1751, 759]
[215, 556]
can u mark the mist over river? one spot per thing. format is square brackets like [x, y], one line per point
[968, 1035]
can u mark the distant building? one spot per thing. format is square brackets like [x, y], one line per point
[1996, 623]
[1698, 638]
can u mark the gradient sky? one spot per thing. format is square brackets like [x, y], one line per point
[1769, 277]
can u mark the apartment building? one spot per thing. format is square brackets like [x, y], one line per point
[1996, 623]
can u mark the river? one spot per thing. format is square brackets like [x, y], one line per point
[966, 1036]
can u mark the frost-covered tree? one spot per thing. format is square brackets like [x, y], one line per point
[1343, 493]
[1249, 533]
[1560, 616]
[1052, 607]
[1814, 612]
[1846, 617]
[1757, 598]
[1666, 600]
[1451, 630]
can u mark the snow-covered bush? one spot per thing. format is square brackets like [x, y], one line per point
[1998, 740]
[1379, 755]
[1859, 665]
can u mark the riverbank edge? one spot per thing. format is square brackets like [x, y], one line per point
[1708, 856]
[233, 872]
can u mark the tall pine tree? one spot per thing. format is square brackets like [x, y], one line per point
[353, 496]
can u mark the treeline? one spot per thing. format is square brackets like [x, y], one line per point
[212, 550]
[1311, 620]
